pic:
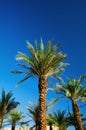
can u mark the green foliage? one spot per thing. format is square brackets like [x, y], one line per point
[74, 89]
[15, 117]
[51, 103]
[58, 119]
[41, 61]
[7, 103]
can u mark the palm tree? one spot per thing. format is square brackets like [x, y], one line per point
[58, 119]
[75, 91]
[42, 62]
[7, 103]
[15, 117]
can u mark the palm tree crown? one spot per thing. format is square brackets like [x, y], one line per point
[42, 61]
[73, 89]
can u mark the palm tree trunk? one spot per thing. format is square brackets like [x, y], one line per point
[1, 120]
[51, 127]
[13, 127]
[0, 125]
[36, 127]
[42, 103]
[77, 117]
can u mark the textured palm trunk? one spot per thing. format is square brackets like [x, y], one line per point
[13, 127]
[77, 117]
[36, 127]
[42, 103]
[1, 120]
[51, 127]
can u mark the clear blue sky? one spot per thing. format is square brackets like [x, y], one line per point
[21, 20]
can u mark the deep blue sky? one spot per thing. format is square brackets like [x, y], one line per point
[21, 20]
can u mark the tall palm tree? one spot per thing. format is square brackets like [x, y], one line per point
[42, 62]
[15, 117]
[75, 91]
[7, 103]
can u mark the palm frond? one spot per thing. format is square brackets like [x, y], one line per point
[49, 55]
[37, 47]
[41, 46]
[24, 66]
[53, 62]
[8, 96]
[58, 58]
[19, 72]
[81, 78]
[3, 95]
[24, 79]
[32, 51]
[48, 46]
[51, 103]
[50, 119]
[57, 77]
[22, 56]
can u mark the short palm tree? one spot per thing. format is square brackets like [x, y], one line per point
[58, 119]
[7, 103]
[75, 91]
[15, 117]
[33, 113]
[42, 62]
[70, 119]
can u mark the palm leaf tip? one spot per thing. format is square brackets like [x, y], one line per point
[19, 56]
[14, 71]
[29, 45]
[65, 64]
[59, 86]
[24, 79]
[65, 55]
[83, 77]
[41, 45]
[52, 102]
[48, 46]
[84, 99]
